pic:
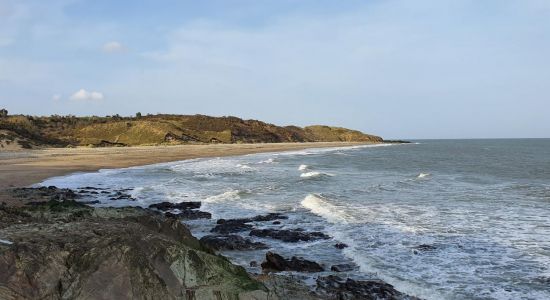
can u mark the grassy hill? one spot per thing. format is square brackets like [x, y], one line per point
[62, 131]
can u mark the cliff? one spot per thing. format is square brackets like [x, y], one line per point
[61, 131]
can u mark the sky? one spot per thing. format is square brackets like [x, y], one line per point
[395, 68]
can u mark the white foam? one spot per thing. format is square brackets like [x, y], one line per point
[322, 207]
[303, 167]
[267, 161]
[423, 175]
[5, 242]
[314, 174]
[228, 195]
[246, 167]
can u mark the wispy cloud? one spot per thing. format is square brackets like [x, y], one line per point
[113, 47]
[84, 95]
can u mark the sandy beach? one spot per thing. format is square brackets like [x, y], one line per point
[23, 168]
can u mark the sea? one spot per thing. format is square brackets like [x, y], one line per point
[437, 219]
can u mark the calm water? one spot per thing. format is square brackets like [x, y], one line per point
[483, 206]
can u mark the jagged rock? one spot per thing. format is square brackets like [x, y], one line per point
[290, 236]
[231, 242]
[43, 193]
[341, 246]
[342, 267]
[164, 206]
[236, 225]
[110, 253]
[231, 226]
[275, 262]
[120, 196]
[190, 215]
[334, 287]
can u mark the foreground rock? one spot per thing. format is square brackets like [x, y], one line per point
[67, 250]
[237, 225]
[231, 242]
[275, 262]
[334, 287]
[290, 236]
[43, 194]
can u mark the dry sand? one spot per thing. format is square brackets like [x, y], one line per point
[26, 167]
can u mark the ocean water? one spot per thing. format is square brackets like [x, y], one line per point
[478, 209]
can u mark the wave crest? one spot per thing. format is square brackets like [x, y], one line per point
[322, 207]
[315, 174]
[228, 195]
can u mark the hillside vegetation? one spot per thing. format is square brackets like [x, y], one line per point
[62, 131]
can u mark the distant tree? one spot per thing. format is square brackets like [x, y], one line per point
[138, 115]
[3, 113]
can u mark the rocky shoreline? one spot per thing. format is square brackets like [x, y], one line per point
[57, 246]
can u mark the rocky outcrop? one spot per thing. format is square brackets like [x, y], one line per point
[334, 287]
[67, 250]
[237, 225]
[164, 206]
[275, 262]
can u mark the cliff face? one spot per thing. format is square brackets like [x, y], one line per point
[165, 129]
[66, 250]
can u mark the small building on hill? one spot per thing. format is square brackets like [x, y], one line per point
[3, 113]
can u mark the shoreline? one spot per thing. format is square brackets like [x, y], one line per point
[54, 205]
[24, 168]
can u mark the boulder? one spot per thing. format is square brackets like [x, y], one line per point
[275, 262]
[341, 246]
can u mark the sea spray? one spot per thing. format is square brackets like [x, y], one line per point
[321, 206]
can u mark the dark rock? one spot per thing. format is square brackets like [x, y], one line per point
[254, 264]
[231, 226]
[334, 287]
[275, 262]
[276, 222]
[164, 206]
[45, 194]
[231, 242]
[342, 268]
[190, 215]
[290, 236]
[122, 196]
[268, 217]
[423, 248]
[90, 188]
[236, 225]
[341, 246]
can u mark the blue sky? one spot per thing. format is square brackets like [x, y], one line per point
[396, 68]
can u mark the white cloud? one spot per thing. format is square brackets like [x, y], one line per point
[113, 47]
[56, 97]
[84, 95]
